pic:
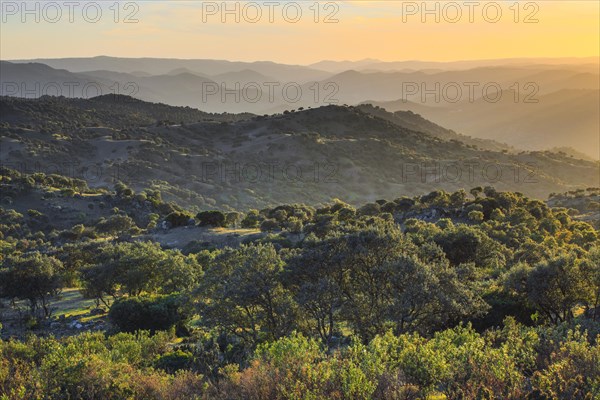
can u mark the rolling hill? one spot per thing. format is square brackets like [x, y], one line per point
[307, 156]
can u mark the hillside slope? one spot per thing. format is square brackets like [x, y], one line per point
[307, 156]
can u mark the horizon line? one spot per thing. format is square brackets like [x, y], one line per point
[372, 60]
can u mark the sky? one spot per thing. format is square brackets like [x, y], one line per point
[300, 32]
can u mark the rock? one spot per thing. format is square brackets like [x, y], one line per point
[97, 311]
[74, 324]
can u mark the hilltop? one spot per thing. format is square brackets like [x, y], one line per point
[109, 110]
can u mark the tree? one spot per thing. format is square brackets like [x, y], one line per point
[134, 268]
[363, 259]
[476, 216]
[553, 287]
[458, 198]
[35, 277]
[123, 191]
[426, 296]
[241, 293]
[315, 277]
[591, 268]
[375, 279]
[232, 219]
[460, 245]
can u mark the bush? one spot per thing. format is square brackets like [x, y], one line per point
[574, 370]
[115, 224]
[178, 218]
[174, 361]
[211, 218]
[269, 225]
[476, 216]
[152, 313]
[251, 220]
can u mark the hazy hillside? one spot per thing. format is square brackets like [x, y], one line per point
[415, 122]
[566, 118]
[423, 86]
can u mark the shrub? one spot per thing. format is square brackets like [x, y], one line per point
[476, 216]
[574, 371]
[115, 224]
[152, 313]
[178, 218]
[211, 218]
[251, 220]
[269, 225]
[174, 361]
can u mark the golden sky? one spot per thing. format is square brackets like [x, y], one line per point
[302, 32]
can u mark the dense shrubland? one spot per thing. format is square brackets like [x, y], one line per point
[513, 362]
[473, 295]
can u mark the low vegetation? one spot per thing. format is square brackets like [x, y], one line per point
[459, 295]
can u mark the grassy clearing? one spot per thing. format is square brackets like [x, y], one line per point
[71, 303]
[240, 231]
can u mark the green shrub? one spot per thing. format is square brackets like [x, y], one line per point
[174, 361]
[211, 218]
[251, 220]
[178, 218]
[154, 313]
[269, 225]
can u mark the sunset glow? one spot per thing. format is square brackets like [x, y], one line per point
[384, 30]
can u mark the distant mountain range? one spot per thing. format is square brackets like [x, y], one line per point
[378, 65]
[525, 103]
[162, 66]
